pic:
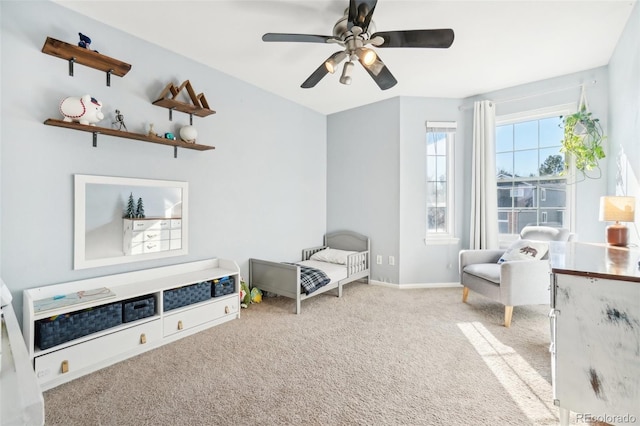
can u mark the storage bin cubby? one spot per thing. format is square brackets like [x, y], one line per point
[223, 286]
[59, 329]
[138, 308]
[187, 295]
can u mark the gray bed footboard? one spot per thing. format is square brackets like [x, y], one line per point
[275, 277]
[282, 279]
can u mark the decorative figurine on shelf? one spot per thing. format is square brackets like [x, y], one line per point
[151, 132]
[188, 134]
[130, 213]
[119, 121]
[85, 41]
[170, 135]
[85, 110]
[140, 209]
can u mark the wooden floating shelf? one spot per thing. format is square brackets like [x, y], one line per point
[199, 106]
[87, 57]
[96, 130]
[183, 107]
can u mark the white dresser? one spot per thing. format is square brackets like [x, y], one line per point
[595, 332]
[150, 235]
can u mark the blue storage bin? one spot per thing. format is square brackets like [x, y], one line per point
[187, 295]
[138, 308]
[223, 286]
[59, 329]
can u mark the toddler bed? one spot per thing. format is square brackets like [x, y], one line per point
[343, 258]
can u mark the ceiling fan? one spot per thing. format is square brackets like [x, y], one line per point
[354, 32]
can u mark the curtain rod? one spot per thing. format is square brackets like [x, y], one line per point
[533, 95]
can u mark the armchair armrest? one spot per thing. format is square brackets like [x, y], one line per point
[471, 257]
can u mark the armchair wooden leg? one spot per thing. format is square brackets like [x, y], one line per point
[508, 312]
[465, 294]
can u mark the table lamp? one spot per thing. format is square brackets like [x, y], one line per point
[617, 209]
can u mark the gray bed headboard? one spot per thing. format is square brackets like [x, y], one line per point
[347, 240]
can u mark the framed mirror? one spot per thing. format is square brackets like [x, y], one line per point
[120, 220]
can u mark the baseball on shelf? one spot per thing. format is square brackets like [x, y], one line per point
[188, 134]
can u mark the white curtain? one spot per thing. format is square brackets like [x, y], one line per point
[484, 199]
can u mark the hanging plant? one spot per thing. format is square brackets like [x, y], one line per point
[583, 138]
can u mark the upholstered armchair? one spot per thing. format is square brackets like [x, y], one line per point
[496, 275]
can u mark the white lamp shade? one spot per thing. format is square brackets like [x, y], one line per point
[617, 209]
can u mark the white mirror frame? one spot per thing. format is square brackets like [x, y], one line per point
[80, 260]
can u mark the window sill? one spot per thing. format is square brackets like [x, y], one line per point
[439, 241]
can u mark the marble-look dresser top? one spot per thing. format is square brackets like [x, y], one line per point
[595, 259]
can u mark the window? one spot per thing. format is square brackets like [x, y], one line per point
[440, 142]
[531, 189]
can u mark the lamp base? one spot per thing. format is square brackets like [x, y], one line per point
[617, 234]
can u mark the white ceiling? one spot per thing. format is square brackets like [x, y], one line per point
[498, 44]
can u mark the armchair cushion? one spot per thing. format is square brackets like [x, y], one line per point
[525, 250]
[471, 257]
[487, 271]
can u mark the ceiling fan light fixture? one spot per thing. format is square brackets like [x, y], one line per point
[345, 78]
[366, 56]
[332, 63]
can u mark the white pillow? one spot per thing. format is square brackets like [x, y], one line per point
[332, 256]
[525, 250]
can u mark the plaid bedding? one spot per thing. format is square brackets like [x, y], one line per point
[311, 279]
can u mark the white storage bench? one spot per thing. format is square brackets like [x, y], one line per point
[64, 314]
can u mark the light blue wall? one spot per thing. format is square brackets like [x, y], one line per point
[260, 193]
[363, 187]
[624, 117]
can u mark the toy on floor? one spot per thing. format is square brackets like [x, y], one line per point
[256, 295]
[245, 295]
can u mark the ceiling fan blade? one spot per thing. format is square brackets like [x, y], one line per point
[322, 70]
[315, 77]
[439, 39]
[303, 38]
[360, 13]
[380, 74]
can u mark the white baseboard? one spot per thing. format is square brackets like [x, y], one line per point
[414, 285]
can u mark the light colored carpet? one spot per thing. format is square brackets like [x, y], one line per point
[376, 356]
